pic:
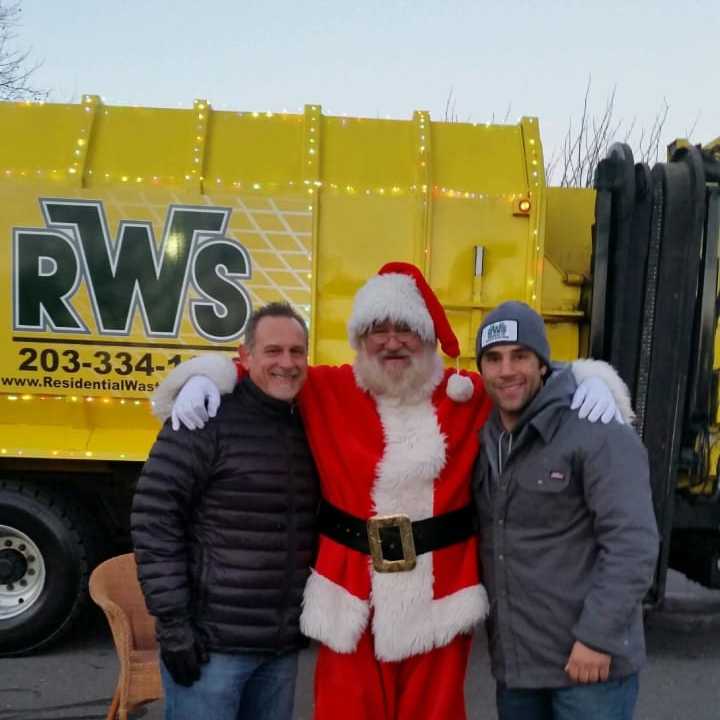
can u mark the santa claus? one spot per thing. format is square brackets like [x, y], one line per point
[395, 592]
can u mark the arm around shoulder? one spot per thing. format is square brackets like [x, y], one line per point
[219, 368]
[586, 370]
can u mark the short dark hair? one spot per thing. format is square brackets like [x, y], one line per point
[273, 309]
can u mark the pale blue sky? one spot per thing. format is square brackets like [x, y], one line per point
[375, 58]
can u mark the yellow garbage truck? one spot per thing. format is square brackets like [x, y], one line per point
[134, 238]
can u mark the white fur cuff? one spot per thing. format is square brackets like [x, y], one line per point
[216, 366]
[332, 615]
[442, 620]
[583, 369]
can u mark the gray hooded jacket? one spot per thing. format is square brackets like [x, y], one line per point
[568, 539]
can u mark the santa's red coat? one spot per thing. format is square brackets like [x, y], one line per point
[377, 456]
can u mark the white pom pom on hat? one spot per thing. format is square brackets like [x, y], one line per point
[459, 388]
[400, 293]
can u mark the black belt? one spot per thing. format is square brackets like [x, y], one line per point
[393, 541]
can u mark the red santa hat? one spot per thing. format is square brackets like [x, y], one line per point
[400, 293]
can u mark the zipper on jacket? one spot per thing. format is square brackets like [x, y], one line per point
[291, 559]
[500, 450]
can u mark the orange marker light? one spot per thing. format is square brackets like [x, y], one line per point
[522, 206]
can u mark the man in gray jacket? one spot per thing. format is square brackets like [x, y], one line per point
[568, 536]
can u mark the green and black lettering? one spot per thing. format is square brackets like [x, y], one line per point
[133, 271]
[216, 265]
[45, 274]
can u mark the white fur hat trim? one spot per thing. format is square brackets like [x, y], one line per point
[394, 297]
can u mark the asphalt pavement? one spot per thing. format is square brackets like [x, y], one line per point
[75, 679]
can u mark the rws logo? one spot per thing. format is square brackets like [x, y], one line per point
[500, 331]
[131, 273]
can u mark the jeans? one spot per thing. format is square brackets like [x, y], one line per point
[235, 687]
[611, 700]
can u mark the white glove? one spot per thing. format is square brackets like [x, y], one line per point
[596, 402]
[197, 401]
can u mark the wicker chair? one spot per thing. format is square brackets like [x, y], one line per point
[115, 588]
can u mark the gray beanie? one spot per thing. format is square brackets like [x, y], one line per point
[513, 323]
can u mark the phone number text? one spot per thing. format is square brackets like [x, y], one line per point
[100, 362]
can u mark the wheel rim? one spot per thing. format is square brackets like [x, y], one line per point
[22, 572]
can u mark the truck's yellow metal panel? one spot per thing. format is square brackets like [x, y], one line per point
[39, 140]
[75, 427]
[568, 248]
[254, 148]
[460, 226]
[305, 207]
[360, 155]
[136, 145]
[568, 239]
[478, 158]
[356, 236]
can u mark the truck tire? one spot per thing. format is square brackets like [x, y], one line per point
[47, 550]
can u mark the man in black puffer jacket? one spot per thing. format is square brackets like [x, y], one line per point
[223, 525]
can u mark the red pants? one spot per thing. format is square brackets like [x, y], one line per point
[358, 686]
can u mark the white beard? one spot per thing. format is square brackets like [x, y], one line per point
[407, 386]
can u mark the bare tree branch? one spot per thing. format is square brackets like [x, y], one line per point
[649, 152]
[691, 131]
[16, 65]
[450, 114]
[588, 139]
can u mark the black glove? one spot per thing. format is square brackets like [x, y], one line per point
[182, 652]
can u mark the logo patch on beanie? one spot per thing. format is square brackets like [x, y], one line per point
[501, 331]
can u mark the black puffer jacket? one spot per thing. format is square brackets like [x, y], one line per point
[223, 524]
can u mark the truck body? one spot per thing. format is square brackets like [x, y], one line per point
[135, 238]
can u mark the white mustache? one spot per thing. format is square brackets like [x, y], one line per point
[387, 354]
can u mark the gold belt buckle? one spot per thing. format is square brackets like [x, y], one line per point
[402, 522]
